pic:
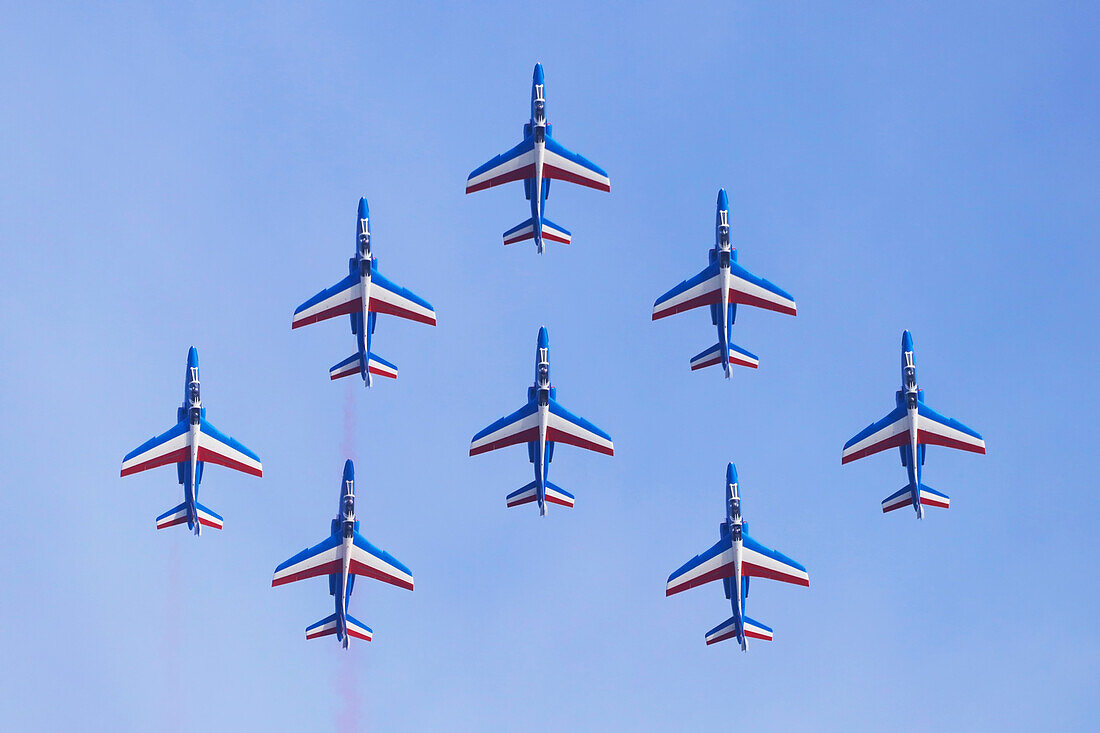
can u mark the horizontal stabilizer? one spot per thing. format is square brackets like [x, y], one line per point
[524, 495]
[331, 625]
[357, 629]
[172, 517]
[348, 367]
[728, 630]
[551, 232]
[352, 366]
[529, 493]
[379, 366]
[904, 498]
[325, 627]
[557, 495]
[209, 518]
[178, 515]
[733, 352]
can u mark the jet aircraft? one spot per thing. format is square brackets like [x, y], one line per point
[341, 557]
[535, 161]
[540, 424]
[191, 444]
[723, 285]
[911, 426]
[735, 558]
[362, 295]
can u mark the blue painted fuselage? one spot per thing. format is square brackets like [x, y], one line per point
[190, 472]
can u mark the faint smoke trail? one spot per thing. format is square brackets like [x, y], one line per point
[170, 643]
[349, 717]
[348, 446]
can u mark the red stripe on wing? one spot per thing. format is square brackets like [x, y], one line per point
[523, 436]
[176, 456]
[208, 455]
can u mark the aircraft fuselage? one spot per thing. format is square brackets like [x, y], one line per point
[192, 408]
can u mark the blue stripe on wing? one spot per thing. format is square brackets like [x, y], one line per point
[716, 549]
[555, 147]
[580, 422]
[779, 557]
[892, 417]
[362, 543]
[526, 146]
[378, 280]
[710, 271]
[221, 437]
[526, 411]
[179, 429]
[323, 546]
[928, 413]
[741, 272]
[348, 282]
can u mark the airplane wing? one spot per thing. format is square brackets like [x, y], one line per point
[385, 297]
[515, 165]
[521, 426]
[715, 563]
[562, 426]
[703, 289]
[217, 447]
[889, 432]
[758, 561]
[341, 299]
[748, 289]
[321, 559]
[935, 429]
[169, 447]
[368, 561]
[565, 165]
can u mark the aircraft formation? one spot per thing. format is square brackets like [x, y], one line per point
[542, 422]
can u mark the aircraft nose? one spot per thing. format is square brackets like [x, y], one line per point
[723, 200]
[192, 357]
[731, 473]
[544, 338]
[349, 470]
[538, 75]
[364, 210]
[907, 341]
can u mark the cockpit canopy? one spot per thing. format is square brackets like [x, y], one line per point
[349, 506]
[193, 392]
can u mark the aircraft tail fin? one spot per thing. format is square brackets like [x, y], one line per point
[733, 352]
[353, 365]
[904, 497]
[529, 493]
[551, 232]
[728, 630]
[178, 515]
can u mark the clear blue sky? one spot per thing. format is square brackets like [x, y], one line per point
[188, 174]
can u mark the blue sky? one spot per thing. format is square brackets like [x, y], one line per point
[187, 174]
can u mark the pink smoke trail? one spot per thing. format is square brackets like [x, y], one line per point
[350, 716]
[170, 643]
